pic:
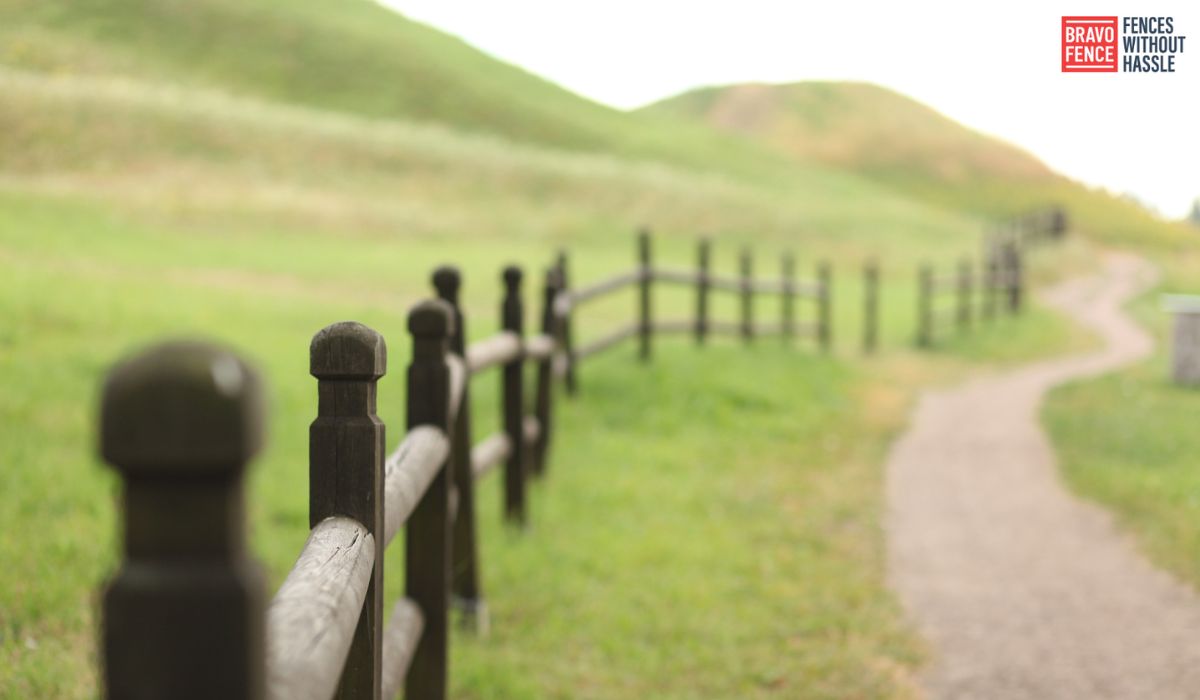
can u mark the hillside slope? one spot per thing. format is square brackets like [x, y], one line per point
[892, 139]
[350, 56]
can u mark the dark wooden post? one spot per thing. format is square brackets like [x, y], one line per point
[965, 283]
[345, 473]
[825, 306]
[544, 400]
[990, 278]
[747, 296]
[925, 306]
[1016, 277]
[464, 584]
[870, 306]
[646, 279]
[788, 302]
[183, 616]
[703, 263]
[427, 534]
[565, 330]
[512, 402]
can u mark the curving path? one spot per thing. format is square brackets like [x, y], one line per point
[1021, 589]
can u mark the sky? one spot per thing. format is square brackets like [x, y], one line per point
[994, 67]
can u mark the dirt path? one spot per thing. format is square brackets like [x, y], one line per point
[1021, 589]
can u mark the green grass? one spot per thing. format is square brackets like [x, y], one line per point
[1128, 440]
[757, 469]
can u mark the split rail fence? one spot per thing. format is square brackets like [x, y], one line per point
[185, 615]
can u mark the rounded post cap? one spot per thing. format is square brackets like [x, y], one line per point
[447, 280]
[432, 318]
[512, 278]
[347, 350]
[181, 407]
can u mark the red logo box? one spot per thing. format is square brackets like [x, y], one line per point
[1089, 44]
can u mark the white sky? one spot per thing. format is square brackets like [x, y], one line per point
[993, 67]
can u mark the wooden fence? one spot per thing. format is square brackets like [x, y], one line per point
[970, 292]
[645, 276]
[185, 615]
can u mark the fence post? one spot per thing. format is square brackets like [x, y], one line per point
[788, 302]
[990, 278]
[703, 260]
[345, 473]
[1016, 277]
[965, 283]
[464, 576]
[183, 616]
[566, 334]
[925, 306]
[645, 280]
[747, 296]
[512, 402]
[427, 534]
[544, 400]
[825, 306]
[870, 306]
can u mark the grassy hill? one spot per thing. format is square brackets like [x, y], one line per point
[911, 148]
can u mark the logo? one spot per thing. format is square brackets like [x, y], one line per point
[1125, 44]
[1089, 44]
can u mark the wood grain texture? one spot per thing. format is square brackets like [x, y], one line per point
[312, 619]
[345, 467]
[407, 475]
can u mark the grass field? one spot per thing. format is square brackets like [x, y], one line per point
[1140, 461]
[710, 525]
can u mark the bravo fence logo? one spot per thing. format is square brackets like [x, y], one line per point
[1125, 44]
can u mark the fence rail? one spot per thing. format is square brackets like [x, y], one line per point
[181, 421]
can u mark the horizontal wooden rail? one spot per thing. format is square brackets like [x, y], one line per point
[499, 349]
[728, 284]
[311, 621]
[605, 342]
[400, 638]
[578, 296]
[408, 473]
[725, 327]
[677, 276]
[540, 347]
[531, 428]
[674, 326]
[493, 450]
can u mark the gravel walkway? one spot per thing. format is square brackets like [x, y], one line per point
[1021, 589]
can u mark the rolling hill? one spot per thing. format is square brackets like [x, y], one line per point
[894, 140]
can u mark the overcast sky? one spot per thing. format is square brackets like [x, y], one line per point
[994, 67]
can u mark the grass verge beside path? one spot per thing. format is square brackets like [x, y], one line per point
[1129, 441]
